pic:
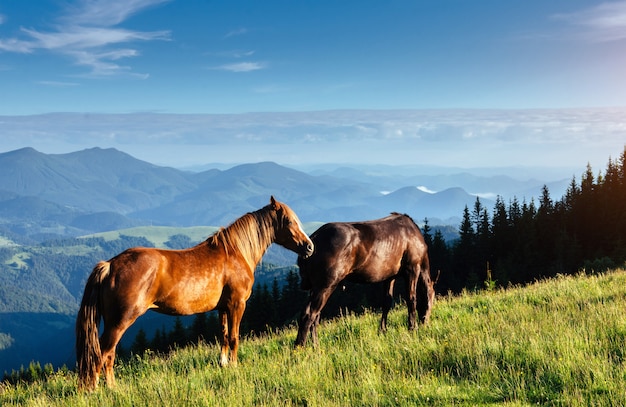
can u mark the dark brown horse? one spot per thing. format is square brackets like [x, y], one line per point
[366, 252]
[215, 274]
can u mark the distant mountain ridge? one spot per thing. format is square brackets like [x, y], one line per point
[97, 189]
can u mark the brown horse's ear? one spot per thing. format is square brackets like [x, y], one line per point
[273, 202]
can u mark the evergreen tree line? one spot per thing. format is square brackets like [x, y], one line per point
[521, 242]
[514, 243]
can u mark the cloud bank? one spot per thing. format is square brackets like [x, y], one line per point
[452, 138]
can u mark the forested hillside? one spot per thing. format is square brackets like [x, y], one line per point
[522, 241]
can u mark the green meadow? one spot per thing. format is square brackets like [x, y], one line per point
[557, 342]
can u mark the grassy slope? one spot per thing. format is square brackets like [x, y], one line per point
[158, 235]
[558, 342]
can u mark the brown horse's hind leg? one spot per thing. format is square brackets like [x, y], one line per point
[108, 342]
[387, 303]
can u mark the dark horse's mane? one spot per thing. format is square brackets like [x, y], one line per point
[249, 235]
[407, 216]
[404, 214]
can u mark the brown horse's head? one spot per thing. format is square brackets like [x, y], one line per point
[288, 230]
[426, 296]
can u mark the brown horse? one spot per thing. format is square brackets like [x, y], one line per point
[215, 274]
[366, 252]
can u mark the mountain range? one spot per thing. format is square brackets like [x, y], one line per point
[95, 190]
[46, 198]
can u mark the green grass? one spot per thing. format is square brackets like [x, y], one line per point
[556, 342]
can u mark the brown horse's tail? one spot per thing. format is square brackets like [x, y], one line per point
[88, 355]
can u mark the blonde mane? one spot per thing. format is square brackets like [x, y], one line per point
[250, 235]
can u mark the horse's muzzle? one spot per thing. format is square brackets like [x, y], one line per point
[308, 250]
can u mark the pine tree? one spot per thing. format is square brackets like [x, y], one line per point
[178, 336]
[501, 242]
[464, 260]
[439, 256]
[159, 343]
[426, 230]
[140, 344]
[292, 299]
[199, 328]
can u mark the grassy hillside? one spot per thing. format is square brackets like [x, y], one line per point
[158, 235]
[557, 342]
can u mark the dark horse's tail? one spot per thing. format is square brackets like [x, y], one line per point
[88, 354]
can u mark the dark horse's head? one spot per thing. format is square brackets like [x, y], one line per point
[288, 230]
[425, 295]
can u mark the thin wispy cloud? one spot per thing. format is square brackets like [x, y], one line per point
[236, 54]
[602, 23]
[236, 33]
[87, 33]
[106, 12]
[270, 89]
[57, 84]
[242, 67]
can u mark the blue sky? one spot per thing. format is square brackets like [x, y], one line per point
[185, 57]
[198, 56]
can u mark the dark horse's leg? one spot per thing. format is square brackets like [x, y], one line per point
[411, 295]
[311, 315]
[387, 303]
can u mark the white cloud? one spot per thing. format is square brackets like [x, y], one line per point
[106, 12]
[236, 53]
[57, 84]
[86, 33]
[237, 32]
[15, 45]
[3, 19]
[242, 66]
[601, 23]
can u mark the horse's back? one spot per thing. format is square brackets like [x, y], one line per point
[368, 251]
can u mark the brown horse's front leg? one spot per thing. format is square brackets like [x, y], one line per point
[236, 313]
[224, 338]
